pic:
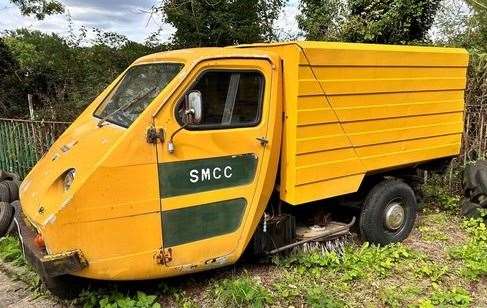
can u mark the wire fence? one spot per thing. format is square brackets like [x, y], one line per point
[23, 142]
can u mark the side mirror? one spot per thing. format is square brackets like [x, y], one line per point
[194, 107]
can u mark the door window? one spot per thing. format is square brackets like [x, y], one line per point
[231, 99]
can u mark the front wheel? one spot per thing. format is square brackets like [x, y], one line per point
[389, 212]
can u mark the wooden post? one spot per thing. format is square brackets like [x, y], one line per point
[31, 106]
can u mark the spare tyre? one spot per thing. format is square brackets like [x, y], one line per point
[13, 188]
[3, 175]
[470, 209]
[4, 192]
[6, 216]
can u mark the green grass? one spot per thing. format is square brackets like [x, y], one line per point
[241, 291]
[116, 299]
[11, 251]
[442, 264]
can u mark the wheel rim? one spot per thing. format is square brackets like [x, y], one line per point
[394, 215]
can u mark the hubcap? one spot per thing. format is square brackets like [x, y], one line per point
[394, 215]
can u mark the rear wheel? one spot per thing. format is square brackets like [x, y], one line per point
[389, 212]
[6, 216]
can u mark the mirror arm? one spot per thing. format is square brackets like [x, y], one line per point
[171, 147]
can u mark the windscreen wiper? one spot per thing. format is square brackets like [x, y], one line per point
[124, 107]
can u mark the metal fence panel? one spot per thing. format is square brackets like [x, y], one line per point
[23, 142]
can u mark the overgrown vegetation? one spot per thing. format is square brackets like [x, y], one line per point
[372, 21]
[441, 264]
[11, 251]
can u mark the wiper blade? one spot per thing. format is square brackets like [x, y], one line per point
[124, 107]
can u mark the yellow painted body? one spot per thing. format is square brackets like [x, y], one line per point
[385, 107]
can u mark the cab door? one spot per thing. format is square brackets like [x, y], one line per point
[208, 184]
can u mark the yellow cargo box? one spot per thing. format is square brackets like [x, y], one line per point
[354, 109]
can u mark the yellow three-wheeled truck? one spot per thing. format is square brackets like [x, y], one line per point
[191, 157]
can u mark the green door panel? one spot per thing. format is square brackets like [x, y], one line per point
[200, 222]
[193, 176]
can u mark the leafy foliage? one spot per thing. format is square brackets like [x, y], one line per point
[321, 19]
[220, 22]
[62, 73]
[11, 251]
[317, 297]
[373, 21]
[354, 264]
[39, 8]
[242, 291]
[116, 299]
[473, 253]
[457, 297]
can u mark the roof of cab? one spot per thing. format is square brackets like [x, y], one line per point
[199, 54]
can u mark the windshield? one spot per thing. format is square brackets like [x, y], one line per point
[137, 89]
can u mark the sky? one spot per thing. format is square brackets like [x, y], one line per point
[127, 17]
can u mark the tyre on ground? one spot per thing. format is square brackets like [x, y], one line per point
[4, 192]
[6, 217]
[389, 212]
[13, 188]
[471, 209]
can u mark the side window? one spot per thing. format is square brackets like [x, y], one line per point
[230, 99]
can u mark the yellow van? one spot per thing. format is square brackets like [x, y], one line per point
[190, 157]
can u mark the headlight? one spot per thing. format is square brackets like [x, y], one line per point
[69, 179]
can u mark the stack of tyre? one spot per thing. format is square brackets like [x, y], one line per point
[475, 188]
[9, 193]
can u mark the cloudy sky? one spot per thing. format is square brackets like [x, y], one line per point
[122, 16]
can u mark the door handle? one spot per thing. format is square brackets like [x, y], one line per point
[263, 141]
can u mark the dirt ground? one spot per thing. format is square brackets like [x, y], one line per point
[16, 294]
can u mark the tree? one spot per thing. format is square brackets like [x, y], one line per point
[220, 22]
[39, 8]
[478, 37]
[321, 19]
[8, 65]
[62, 74]
[372, 21]
[390, 21]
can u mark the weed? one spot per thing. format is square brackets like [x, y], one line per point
[354, 263]
[11, 251]
[397, 297]
[439, 196]
[474, 251]
[432, 234]
[432, 271]
[183, 301]
[456, 297]
[116, 299]
[242, 291]
[317, 297]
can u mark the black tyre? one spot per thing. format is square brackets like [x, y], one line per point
[3, 175]
[6, 216]
[389, 213]
[4, 192]
[470, 209]
[64, 287]
[13, 176]
[13, 188]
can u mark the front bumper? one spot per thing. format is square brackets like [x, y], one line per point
[43, 263]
